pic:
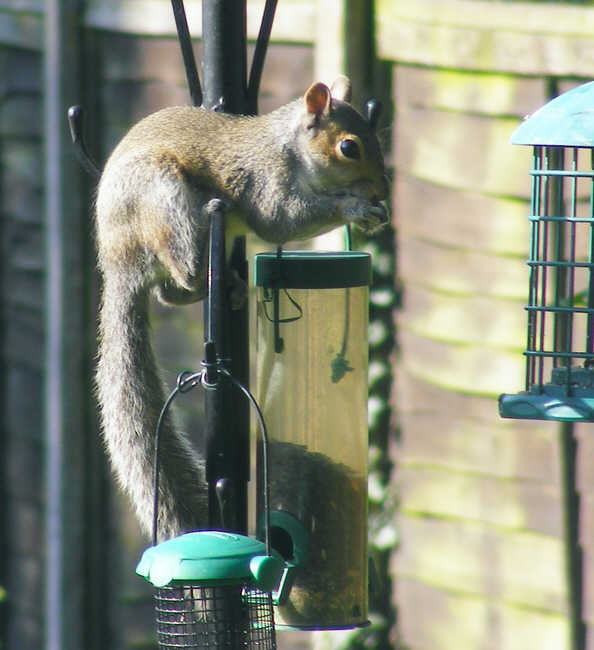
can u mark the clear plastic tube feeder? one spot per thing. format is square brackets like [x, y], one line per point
[312, 358]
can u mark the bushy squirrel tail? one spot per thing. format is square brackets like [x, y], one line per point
[131, 396]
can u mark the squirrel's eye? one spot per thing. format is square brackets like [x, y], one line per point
[350, 149]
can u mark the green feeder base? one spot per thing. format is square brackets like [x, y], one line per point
[532, 406]
[568, 398]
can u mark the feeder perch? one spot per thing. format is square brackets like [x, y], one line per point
[312, 359]
[560, 332]
[213, 590]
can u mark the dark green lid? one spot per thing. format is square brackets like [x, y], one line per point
[312, 270]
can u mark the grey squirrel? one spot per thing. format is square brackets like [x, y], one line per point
[297, 172]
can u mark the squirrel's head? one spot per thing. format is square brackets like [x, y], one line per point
[342, 145]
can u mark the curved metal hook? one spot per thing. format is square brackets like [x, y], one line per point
[75, 120]
[373, 110]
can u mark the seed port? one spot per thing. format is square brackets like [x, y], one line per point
[282, 542]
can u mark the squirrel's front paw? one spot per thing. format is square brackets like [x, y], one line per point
[375, 219]
[369, 217]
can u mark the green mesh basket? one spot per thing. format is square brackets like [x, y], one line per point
[560, 308]
[213, 590]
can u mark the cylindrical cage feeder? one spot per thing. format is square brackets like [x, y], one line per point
[213, 590]
[560, 333]
[312, 360]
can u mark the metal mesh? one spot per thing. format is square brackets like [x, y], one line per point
[560, 341]
[191, 616]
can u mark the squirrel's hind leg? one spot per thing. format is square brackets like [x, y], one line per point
[169, 293]
[180, 239]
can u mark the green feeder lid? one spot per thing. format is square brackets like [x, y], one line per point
[312, 270]
[210, 556]
[566, 121]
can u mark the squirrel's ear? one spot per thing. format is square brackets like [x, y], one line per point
[342, 89]
[318, 100]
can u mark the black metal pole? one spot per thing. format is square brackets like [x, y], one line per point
[185, 42]
[224, 55]
[227, 413]
[570, 500]
[259, 56]
[223, 458]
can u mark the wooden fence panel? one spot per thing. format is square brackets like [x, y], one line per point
[438, 618]
[21, 443]
[519, 37]
[481, 550]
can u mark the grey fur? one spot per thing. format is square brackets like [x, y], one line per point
[280, 177]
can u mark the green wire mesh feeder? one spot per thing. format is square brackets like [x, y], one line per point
[213, 590]
[560, 333]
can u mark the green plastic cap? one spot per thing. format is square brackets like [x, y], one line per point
[312, 270]
[210, 556]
